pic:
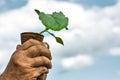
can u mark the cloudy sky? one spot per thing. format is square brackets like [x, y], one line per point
[92, 43]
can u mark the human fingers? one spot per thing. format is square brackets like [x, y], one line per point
[38, 72]
[41, 61]
[30, 43]
[18, 47]
[38, 50]
[42, 77]
[46, 45]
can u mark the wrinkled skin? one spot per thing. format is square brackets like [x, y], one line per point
[30, 60]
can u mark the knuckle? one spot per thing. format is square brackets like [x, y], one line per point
[31, 40]
[33, 49]
[36, 48]
[17, 54]
[16, 58]
[43, 70]
[44, 59]
[49, 54]
[46, 62]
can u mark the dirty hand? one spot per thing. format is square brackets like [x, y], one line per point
[30, 60]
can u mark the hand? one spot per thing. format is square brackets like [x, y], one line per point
[30, 60]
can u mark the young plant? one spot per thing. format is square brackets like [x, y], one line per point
[55, 22]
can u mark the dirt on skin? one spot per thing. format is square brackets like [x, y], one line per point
[31, 35]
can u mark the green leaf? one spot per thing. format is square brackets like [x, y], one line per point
[59, 40]
[55, 21]
[37, 11]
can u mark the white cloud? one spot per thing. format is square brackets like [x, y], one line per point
[115, 51]
[77, 62]
[116, 30]
[89, 30]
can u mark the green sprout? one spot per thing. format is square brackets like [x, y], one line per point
[55, 22]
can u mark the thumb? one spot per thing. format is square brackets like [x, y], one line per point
[18, 46]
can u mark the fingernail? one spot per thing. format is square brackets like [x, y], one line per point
[46, 45]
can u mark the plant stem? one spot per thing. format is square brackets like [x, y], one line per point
[45, 30]
[51, 33]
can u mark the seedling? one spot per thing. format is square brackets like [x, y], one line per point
[55, 22]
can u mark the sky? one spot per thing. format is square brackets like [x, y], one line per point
[92, 47]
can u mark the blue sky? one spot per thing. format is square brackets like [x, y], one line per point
[6, 5]
[92, 47]
[89, 3]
